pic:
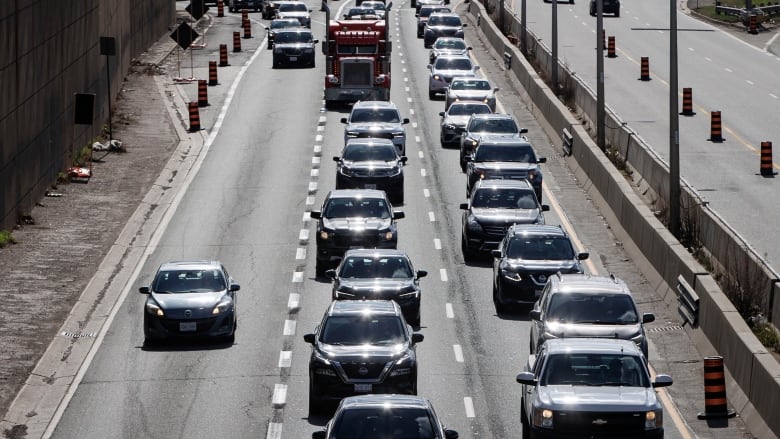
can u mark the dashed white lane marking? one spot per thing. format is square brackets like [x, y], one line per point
[417, 139]
[309, 201]
[274, 430]
[469, 404]
[420, 154]
[773, 96]
[303, 235]
[437, 243]
[317, 149]
[431, 216]
[300, 253]
[422, 172]
[414, 124]
[409, 100]
[707, 59]
[749, 82]
[411, 111]
[458, 353]
[306, 217]
[280, 394]
[315, 173]
[320, 127]
[323, 119]
[297, 277]
[728, 70]
[312, 186]
[443, 274]
[315, 160]
[449, 311]
[289, 327]
[426, 193]
[403, 69]
[295, 299]
[407, 89]
[318, 138]
[691, 49]
[285, 358]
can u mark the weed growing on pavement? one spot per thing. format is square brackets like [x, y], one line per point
[6, 238]
[767, 335]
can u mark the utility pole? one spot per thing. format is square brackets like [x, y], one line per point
[600, 106]
[674, 124]
[555, 47]
[523, 43]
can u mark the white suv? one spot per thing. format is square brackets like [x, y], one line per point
[379, 119]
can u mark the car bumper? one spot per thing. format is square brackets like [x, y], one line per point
[357, 94]
[387, 184]
[165, 328]
[297, 59]
[333, 389]
[524, 292]
[542, 433]
[332, 254]
[482, 242]
[438, 85]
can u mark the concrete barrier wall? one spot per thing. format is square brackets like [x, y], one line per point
[756, 376]
[49, 50]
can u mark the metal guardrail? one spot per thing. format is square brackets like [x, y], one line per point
[568, 141]
[689, 302]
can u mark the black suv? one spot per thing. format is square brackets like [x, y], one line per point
[493, 207]
[526, 257]
[500, 157]
[581, 305]
[294, 46]
[379, 274]
[353, 218]
[607, 7]
[360, 347]
[480, 125]
[371, 163]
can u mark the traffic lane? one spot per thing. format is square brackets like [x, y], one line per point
[231, 233]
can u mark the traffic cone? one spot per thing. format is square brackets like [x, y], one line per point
[715, 130]
[220, 8]
[753, 25]
[247, 29]
[244, 16]
[223, 60]
[194, 116]
[203, 94]
[687, 102]
[644, 73]
[715, 403]
[236, 41]
[611, 47]
[213, 73]
[766, 160]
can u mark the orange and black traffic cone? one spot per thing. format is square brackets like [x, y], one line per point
[644, 72]
[194, 116]
[687, 102]
[611, 47]
[236, 41]
[213, 73]
[247, 29]
[223, 59]
[767, 169]
[716, 135]
[220, 8]
[203, 93]
[715, 403]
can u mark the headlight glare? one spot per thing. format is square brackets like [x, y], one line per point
[223, 306]
[654, 419]
[543, 418]
[324, 235]
[154, 309]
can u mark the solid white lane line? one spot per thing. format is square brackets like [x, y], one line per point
[426, 193]
[280, 394]
[297, 277]
[285, 358]
[431, 216]
[469, 404]
[437, 243]
[449, 311]
[303, 235]
[295, 299]
[300, 253]
[274, 430]
[289, 327]
[443, 274]
[458, 353]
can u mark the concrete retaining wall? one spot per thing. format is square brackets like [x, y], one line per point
[755, 375]
[49, 50]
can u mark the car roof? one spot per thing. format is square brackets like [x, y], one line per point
[587, 283]
[374, 307]
[375, 252]
[190, 264]
[354, 193]
[535, 230]
[411, 401]
[374, 104]
[370, 141]
[585, 345]
[502, 184]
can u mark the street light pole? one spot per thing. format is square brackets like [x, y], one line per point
[555, 47]
[674, 130]
[600, 110]
[523, 43]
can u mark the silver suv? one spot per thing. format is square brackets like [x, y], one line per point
[582, 305]
[590, 388]
[378, 119]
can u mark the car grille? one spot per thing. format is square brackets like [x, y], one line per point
[373, 370]
[509, 175]
[375, 135]
[357, 240]
[357, 74]
[201, 324]
[599, 424]
[369, 173]
[293, 51]
[497, 230]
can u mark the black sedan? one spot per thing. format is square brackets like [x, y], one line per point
[294, 47]
[190, 298]
[454, 120]
[277, 25]
[371, 163]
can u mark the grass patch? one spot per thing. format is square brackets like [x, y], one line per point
[6, 238]
[767, 335]
[709, 11]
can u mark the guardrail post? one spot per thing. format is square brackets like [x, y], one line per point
[568, 141]
[508, 60]
[689, 302]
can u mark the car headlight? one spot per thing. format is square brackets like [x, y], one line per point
[548, 335]
[399, 134]
[473, 225]
[437, 78]
[396, 170]
[638, 339]
[352, 133]
[388, 236]
[345, 171]
[449, 126]
[223, 306]
[324, 235]
[543, 418]
[539, 219]
[654, 419]
[511, 275]
[413, 294]
[154, 309]
[403, 366]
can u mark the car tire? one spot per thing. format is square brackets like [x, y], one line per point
[468, 254]
[315, 405]
[526, 429]
[320, 269]
[617, 13]
[414, 3]
[398, 198]
[592, 12]
[274, 63]
[500, 307]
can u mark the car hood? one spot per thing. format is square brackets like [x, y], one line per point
[552, 266]
[505, 216]
[375, 289]
[597, 398]
[374, 126]
[459, 121]
[473, 95]
[377, 353]
[560, 329]
[356, 223]
[199, 304]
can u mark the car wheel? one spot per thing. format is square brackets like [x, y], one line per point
[592, 12]
[500, 307]
[468, 254]
[315, 405]
[414, 3]
[312, 64]
[526, 429]
[431, 94]
[320, 269]
[274, 63]
[441, 140]
[230, 339]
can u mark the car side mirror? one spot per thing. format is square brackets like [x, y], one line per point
[346, 16]
[404, 159]
[343, 120]
[315, 214]
[526, 378]
[417, 338]
[541, 160]
[398, 214]
[331, 273]
[523, 130]
[545, 208]
[430, 66]
[406, 120]
[464, 206]
[476, 68]
[662, 381]
[145, 290]
[309, 338]
[316, 41]
[496, 253]
[535, 314]
[648, 317]
[582, 256]
[463, 24]
[469, 48]
[495, 89]
[417, 15]
[320, 434]
[441, 113]
[421, 273]
[234, 287]
[450, 434]
[336, 158]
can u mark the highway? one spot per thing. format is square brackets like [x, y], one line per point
[265, 165]
[727, 74]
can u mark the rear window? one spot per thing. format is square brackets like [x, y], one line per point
[293, 7]
[453, 64]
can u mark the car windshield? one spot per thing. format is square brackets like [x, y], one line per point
[427, 10]
[450, 43]
[353, 12]
[189, 281]
[477, 84]
[357, 208]
[363, 329]
[443, 20]
[498, 126]
[359, 267]
[293, 37]
[504, 153]
[385, 422]
[595, 370]
[386, 115]
[506, 198]
[592, 307]
[453, 64]
[364, 153]
[466, 109]
[374, 5]
[281, 24]
[293, 7]
[540, 248]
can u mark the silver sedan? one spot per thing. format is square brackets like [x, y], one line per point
[444, 69]
[470, 89]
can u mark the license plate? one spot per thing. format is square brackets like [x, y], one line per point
[369, 186]
[364, 388]
[188, 326]
[293, 58]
